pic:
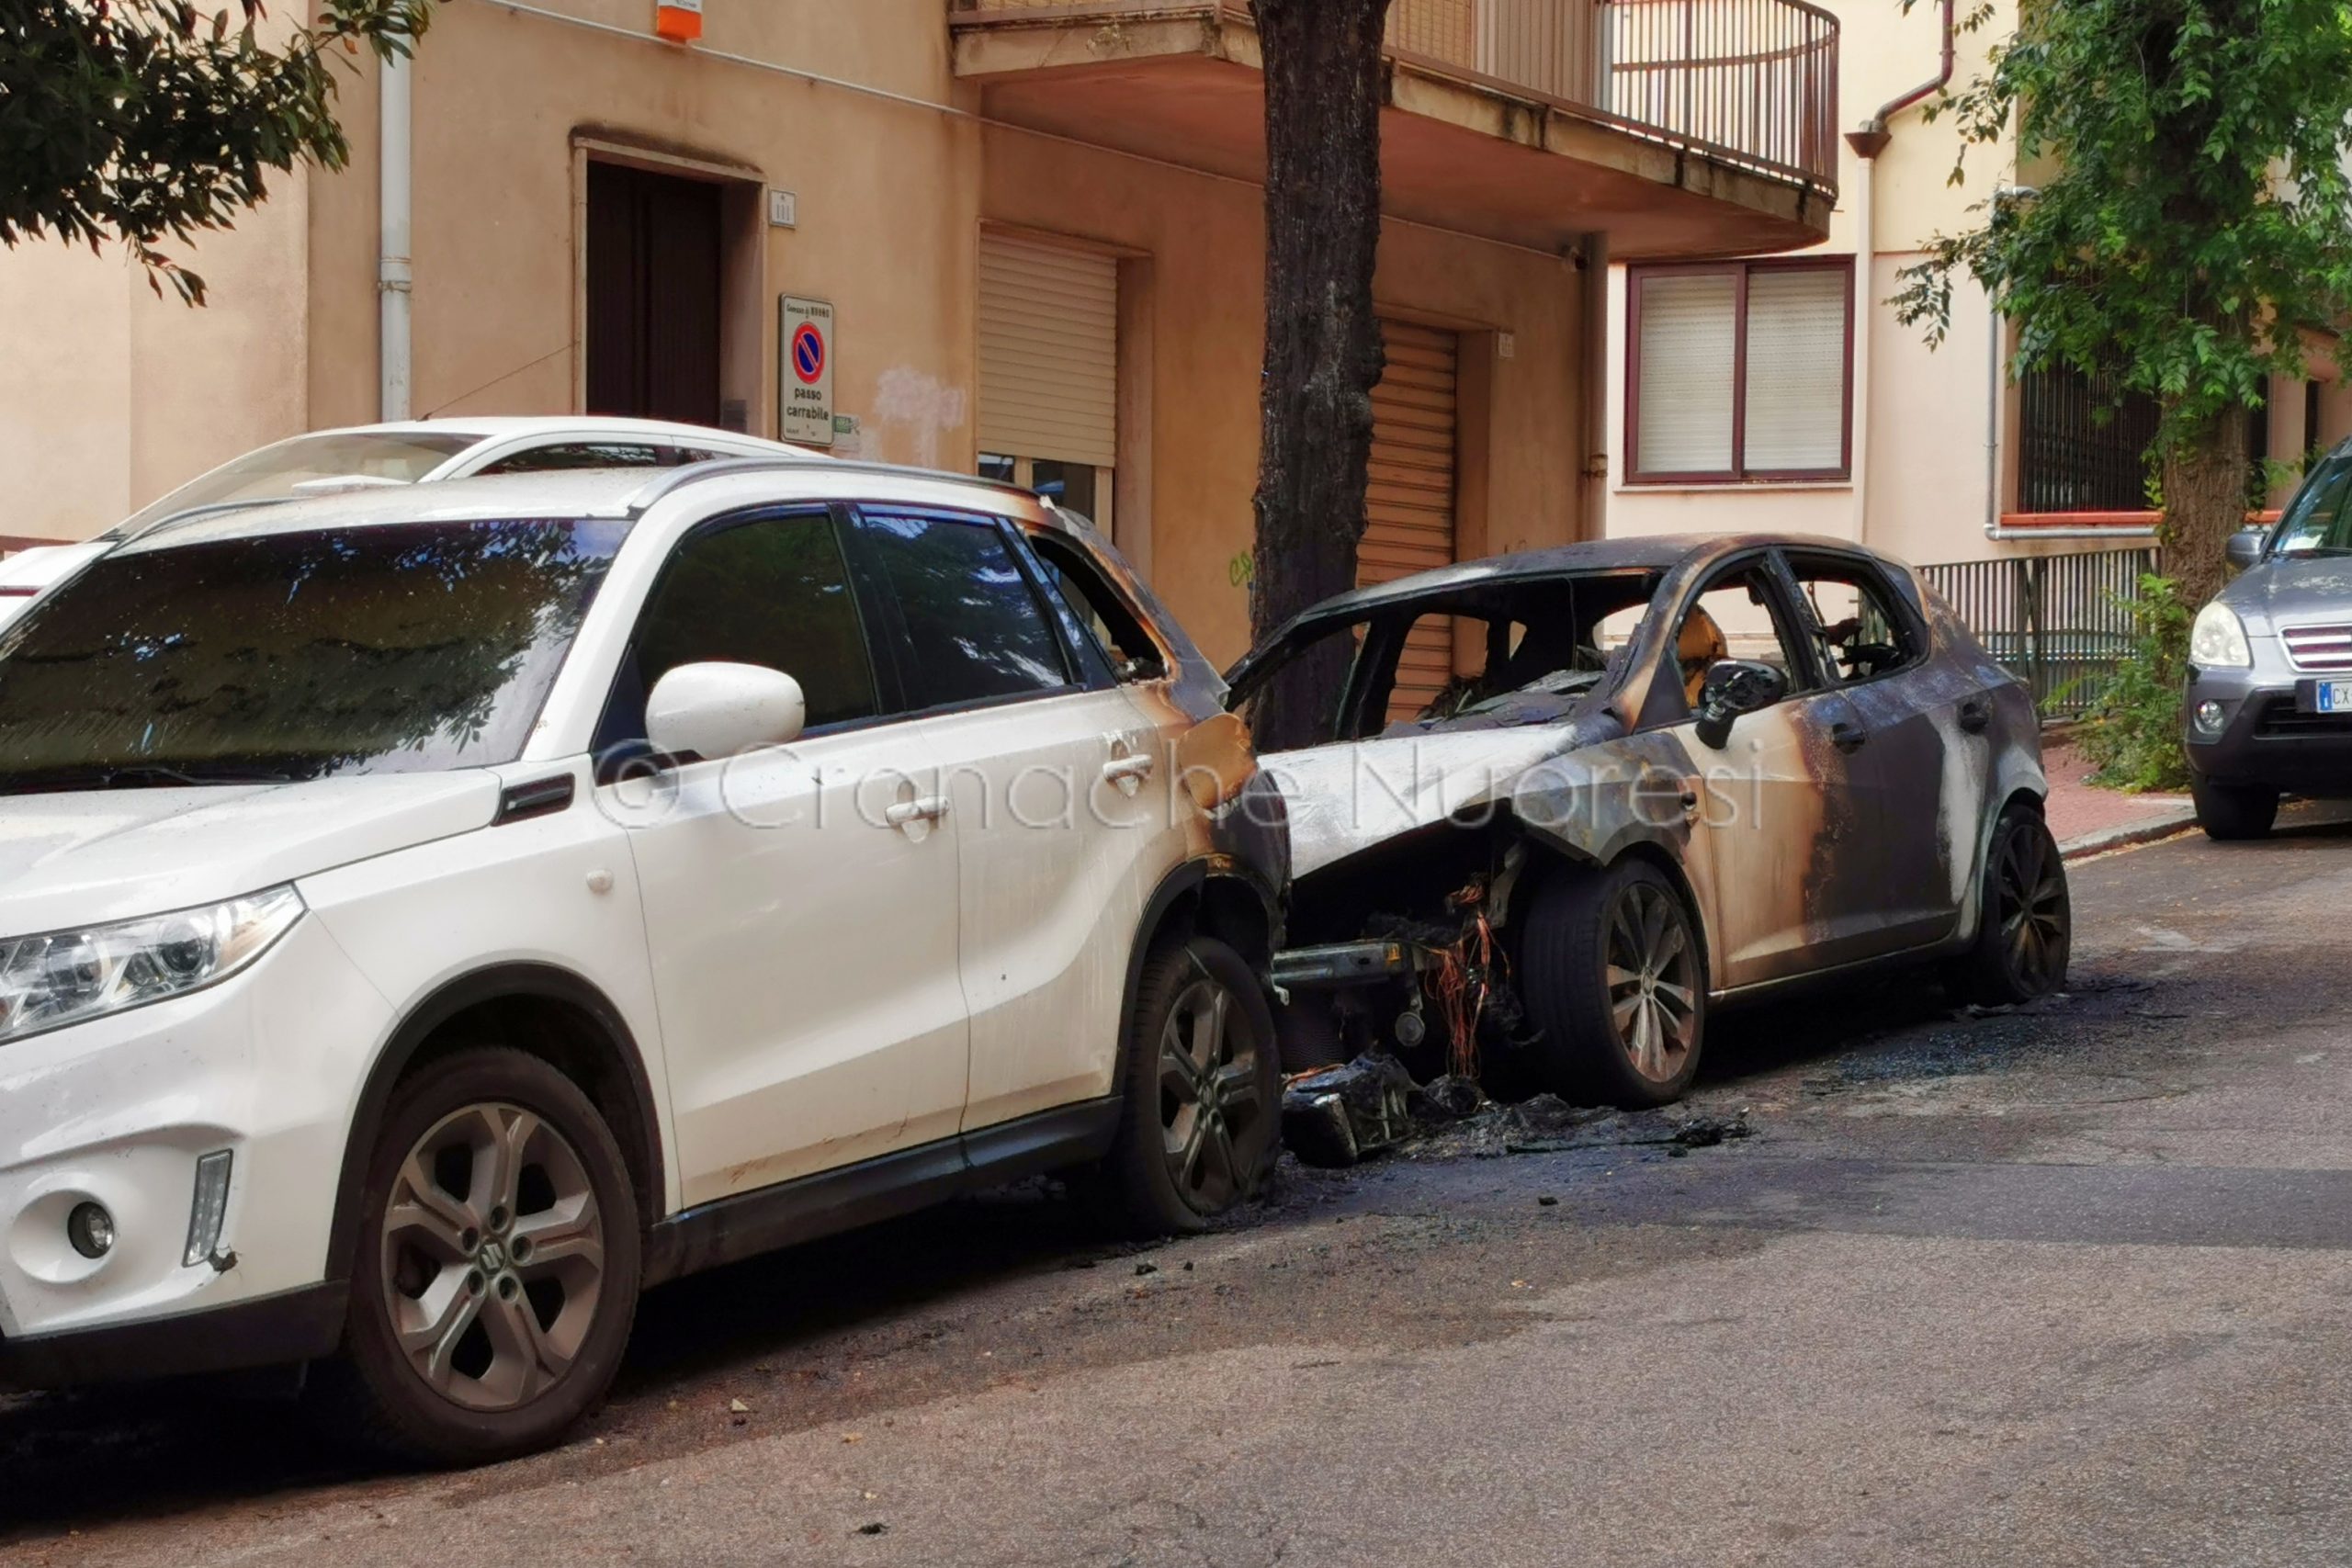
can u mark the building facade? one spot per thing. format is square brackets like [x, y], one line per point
[1038, 228]
[1779, 392]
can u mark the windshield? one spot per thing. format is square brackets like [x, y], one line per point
[2317, 521]
[400, 647]
[271, 473]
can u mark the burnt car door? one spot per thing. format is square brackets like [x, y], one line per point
[1873, 649]
[1773, 808]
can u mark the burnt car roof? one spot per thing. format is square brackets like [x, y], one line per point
[1638, 552]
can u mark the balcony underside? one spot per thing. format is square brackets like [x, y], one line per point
[1459, 151]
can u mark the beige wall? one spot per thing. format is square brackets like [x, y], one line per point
[110, 395]
[1204, 237]
[1921, 485]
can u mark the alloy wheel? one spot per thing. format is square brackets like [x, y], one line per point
[1209, 1102]
[2033, 910]
[1652, 975]
[494, 1257]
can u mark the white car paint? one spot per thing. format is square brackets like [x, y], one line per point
[806, 986]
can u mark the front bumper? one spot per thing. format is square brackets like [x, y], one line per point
[2263, 739]
[298, 1325]
[266, 1065]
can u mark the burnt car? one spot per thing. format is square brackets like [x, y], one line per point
[1567, 802]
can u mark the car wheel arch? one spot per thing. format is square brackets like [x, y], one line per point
[543, 1010]
[1558, 860]
[1213, 896]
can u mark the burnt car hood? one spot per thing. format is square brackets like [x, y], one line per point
[2289, 589]
[1356, 794]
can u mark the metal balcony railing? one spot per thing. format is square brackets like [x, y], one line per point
[1750, 83]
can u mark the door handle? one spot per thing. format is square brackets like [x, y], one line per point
[1847, 737]
[925, 808]
[1128, 770]
[1975, 714]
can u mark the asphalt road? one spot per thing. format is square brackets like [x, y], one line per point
[2068, 1286]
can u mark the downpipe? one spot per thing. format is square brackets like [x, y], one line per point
[394, 272]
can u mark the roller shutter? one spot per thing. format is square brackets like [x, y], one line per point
[1049, 351]
[1410, 523]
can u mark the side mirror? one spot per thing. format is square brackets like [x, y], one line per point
[719, 710]
[1733, 687]
[2244, 549]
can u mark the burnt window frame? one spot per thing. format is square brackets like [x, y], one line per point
[1738, 473]
[1902, 614]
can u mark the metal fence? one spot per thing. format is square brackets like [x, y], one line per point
[2060, 623]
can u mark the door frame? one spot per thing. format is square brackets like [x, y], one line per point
[745, 311]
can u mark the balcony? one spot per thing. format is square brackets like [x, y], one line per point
[1679, 128]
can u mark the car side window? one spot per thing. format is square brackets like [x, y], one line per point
[1736, 617]
[975, 627]
[1101, 612]
[1856, 624]
[769, 590]
[568, 454]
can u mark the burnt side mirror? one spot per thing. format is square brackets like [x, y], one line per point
[2244, 549]
[1735, 686]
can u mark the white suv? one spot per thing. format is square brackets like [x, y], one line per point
[434, 915]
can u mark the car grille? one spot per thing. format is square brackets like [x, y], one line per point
[2318, 647]
[2278, 720]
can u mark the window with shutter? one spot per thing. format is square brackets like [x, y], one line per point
[1739, 371]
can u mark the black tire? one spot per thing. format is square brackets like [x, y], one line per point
[2230, 813]
[1613, 1033]
[490, 1387]
[2025, 931]
[1172, 1170]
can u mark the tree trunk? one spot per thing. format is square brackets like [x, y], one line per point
[2205, 492]
[1325, 84]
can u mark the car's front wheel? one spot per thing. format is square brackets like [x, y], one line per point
[1616, 981]
[1199, 1120]
[2230, 812]
[498, 1267]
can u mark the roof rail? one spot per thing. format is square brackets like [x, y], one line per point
[675, 479]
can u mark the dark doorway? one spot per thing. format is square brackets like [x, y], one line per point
[654, 287]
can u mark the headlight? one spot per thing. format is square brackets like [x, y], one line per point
[47, 982]
[2218, 639]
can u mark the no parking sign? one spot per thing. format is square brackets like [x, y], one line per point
[805, 383]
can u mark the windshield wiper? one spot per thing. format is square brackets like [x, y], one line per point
[134, 776]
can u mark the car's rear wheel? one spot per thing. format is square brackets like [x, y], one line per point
[2231, 812]
[1200, 1119]
[1615, 978]
[498, 1265]
[2025, 936]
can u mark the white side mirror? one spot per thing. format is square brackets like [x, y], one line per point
[720, 710]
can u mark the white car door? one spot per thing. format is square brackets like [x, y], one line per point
[1056, 785]
[800, 903]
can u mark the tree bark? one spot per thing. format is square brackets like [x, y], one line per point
[1325, 84]
[2205, 496]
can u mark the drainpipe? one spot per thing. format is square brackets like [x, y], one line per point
[1868, 144]
[393, 273]
[1865, 308]
[1594, 524]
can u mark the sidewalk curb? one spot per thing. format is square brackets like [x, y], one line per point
[2129, 834]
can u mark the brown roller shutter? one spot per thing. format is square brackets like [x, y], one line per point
[1410, 519]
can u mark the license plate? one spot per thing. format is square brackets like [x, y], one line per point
[2332, 696]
